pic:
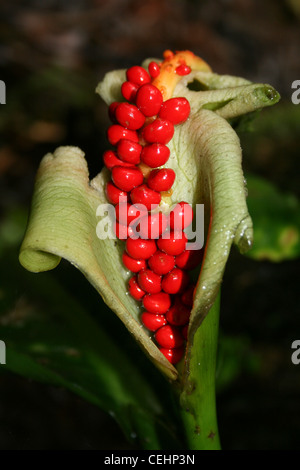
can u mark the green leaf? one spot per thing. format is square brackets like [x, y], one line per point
[276, 218]
[235, 357]
[12, 228]
[50, 338]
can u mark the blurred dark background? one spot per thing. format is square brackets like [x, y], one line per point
[52, 55]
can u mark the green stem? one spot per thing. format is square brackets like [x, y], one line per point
[198, 399]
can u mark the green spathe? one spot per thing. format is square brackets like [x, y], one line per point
[206, 155]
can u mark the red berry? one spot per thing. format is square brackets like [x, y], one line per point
[135, 212]
[134, 265]
[160, 131]
[175, 281]
[157, 303]
[154, 69]
[183, 69]
[126, 213]
[168, 54]
[149, 281]
[152, 225]
[128, 90]
[155, 155]
[184, 331]
[174, 244]
[129, 151]
[161, 180]
[146, 196]
[178, 314]
[188, 296]
[153, 321]
[111, 111]
[110, 160]
[129, 116]
[138, 75]
[176, 110]
[181, 216]
[122, 231]
[161, 263]
[189, 259]
[127, 178]
[117, 132]
[140, 249]
[173, 355]
[149, 100]
[169, 337]
[134, 289]
[114, 194]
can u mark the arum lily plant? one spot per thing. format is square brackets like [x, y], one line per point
[203, 167]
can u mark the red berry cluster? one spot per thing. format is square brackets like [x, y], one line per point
[142, 127]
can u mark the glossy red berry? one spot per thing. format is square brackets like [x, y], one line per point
[129, 151]
[173, 355]
[149, 100]
[189, 259]
[123, 231]
[128, 90]
[155, 155]
[134, 265]
[149, 281]
[169, 337]
[127, 178]
[178, 314]
[168, 54]
[161, 180]
[134, 289]
[140, 249]
[110, 160]
[144, 195]
[175, 281]
[117, 132]
[174, 244]
[181, 216]
[154, 69]
[188, 296]
[115, 195]
[160, 131]
[176, 110]
[111, 111]
[153, 321]
[161, 263]
[183, 69]
[129, 116]
[157, 303]
[152, 225]
[135, 212]
[126, 213]
[137, 75]
[184, 331]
